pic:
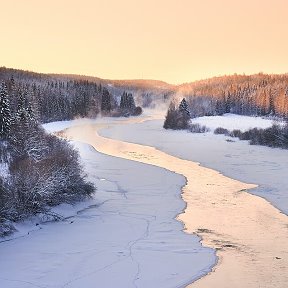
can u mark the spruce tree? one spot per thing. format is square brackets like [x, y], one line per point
[106, 105]
[5, 112]
[228, 103]
[271, 102]
[123, 101]
[21, 114]
[183, 116]
[171, 117]
[131, 102]
[184, 108]
[127, 101]
[30, 114]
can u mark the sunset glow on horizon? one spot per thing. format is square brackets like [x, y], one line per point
[169, 40]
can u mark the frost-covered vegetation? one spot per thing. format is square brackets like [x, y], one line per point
[275, 136]
[127, 106]
[257, 95]
[37, 170]
[177, 117]
[180, 118]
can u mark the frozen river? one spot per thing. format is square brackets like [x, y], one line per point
[131, 234]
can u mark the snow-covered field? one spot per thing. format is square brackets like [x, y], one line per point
[232, 121]
[263, 166]
[125, 237]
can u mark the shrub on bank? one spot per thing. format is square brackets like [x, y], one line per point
[274, 136]
[221, 130]
[197, 128]
[43, 171]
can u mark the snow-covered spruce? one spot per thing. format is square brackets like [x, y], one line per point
[177, 118]
[37, 170]
[5, 112]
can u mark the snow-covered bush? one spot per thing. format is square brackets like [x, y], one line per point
[275, 136]
[177, 118]
[137, 111]
[235, 133]
[197, 128]
[221, 130]
[56, 177]
[41, 170]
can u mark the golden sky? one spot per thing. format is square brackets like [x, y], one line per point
[172, 40]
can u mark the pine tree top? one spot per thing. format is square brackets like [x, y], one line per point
[183, 107]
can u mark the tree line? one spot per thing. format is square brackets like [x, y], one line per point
[55, 98]
[254, 95]
[258, 95]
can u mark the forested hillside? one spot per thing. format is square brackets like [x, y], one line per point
[52, 98]
[259, 94]
[146, 93]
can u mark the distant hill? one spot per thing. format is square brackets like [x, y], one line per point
[142, 88]
[136, 84]
[146, 92]
[259, 94]
[215, 84]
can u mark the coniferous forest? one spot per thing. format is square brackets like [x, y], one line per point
[257, 95]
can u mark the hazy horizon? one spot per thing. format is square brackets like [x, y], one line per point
[164, 40]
